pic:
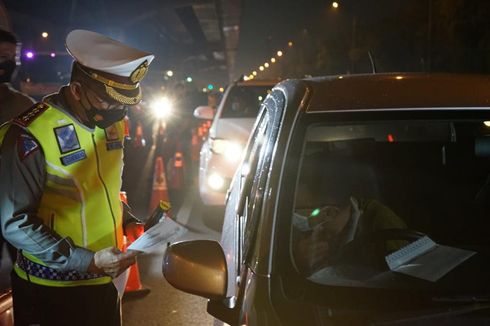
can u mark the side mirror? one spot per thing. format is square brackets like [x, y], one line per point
[197, 267]
[204, 112]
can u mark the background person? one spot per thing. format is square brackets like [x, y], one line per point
[12, 102]
[61, 178]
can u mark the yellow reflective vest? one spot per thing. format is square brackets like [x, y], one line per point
[83, 181]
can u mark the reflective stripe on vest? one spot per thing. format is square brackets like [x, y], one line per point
[83, 179]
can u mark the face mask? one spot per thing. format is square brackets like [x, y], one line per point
[8, 68]
[102, 118]
[106, 118]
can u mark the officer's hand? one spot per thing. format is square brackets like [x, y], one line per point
[112, 262]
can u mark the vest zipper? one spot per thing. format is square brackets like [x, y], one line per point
[105, 188]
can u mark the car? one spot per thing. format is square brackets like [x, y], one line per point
[222, 149]
[361, 200]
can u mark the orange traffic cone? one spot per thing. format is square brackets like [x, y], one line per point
[177, 177]
[133, 285]
[127, 128]
[139, 140]
[194, 147]
[159, 189]
[176, 172]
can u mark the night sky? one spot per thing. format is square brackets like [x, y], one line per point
[397, 35]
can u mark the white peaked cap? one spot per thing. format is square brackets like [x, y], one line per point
[113, 69]
[99, 52]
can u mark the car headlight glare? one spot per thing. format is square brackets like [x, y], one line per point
[216, 182]
[162, 108]
[218, 146]
[230, 149]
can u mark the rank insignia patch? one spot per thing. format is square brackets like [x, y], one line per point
[30, 115]
[73, 157]
[111, 133]
[26, 145]
[67, 138]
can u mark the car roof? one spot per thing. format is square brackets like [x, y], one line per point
[258, 82]
[398, 90]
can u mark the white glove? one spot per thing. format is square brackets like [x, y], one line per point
[111, 261]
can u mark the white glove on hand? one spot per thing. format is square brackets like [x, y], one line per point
[112, 261]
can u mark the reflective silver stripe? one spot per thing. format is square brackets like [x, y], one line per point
[80, 191]
[72, 194]
[61, 181]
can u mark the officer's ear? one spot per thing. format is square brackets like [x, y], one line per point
[75, 89]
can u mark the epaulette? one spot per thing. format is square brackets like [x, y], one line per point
[27, 117]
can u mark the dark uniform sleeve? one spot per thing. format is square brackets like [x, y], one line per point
[23, 175]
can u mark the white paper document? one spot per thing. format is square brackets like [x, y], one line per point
[167, 230]
[426, 259]
[120, 282]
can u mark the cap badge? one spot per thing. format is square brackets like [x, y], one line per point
[140, 72]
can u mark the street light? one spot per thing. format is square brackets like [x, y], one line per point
[335, 5]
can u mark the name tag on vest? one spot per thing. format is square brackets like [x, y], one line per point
[114, 145]
[73, 157]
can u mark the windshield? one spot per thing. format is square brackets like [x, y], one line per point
[244, 101]
[394, 204]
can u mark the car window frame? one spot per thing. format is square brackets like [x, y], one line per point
[252, 200]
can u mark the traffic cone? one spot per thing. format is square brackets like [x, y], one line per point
[134, 287]
[127, 128]
[133, 284]
[139, 140]
[161, 128]
[194, 147]
[177, 173]
[159, 188]
[200, 132]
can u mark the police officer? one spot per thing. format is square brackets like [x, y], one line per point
[12, 102]
[61, 172]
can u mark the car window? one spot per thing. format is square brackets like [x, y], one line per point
[368, 189]
[257, 163]
[249, 168]
[244, 101]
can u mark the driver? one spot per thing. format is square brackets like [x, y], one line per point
[320, 235]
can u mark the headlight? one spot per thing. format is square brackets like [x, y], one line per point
[162, 108]
[230, 149]
[215, 181]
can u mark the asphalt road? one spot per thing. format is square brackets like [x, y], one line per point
[164, 305]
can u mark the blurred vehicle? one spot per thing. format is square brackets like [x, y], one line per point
[414, 146]
[223, 147]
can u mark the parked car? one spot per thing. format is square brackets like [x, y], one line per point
[222, 150]
[361, 200]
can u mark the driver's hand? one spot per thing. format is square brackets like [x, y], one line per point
[313, 250]
[111, 261]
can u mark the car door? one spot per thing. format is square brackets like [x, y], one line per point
[257, 163]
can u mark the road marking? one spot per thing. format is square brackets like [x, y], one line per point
[185, 210]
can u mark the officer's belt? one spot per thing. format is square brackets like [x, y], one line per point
[47, 273]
